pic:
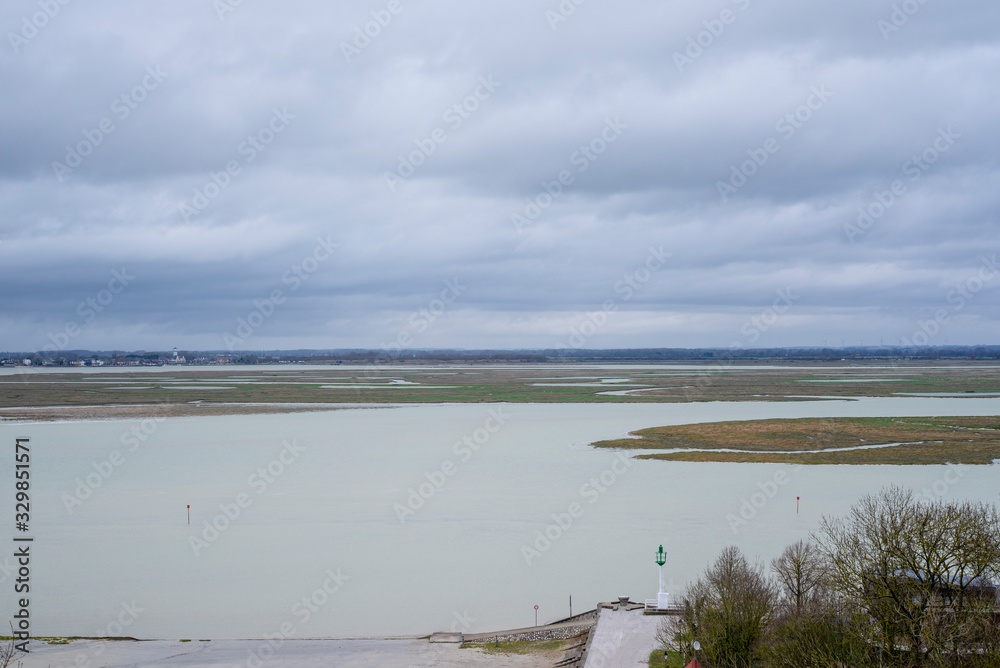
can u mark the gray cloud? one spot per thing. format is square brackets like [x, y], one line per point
[347, 122]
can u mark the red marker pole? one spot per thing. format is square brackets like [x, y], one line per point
[189, 514]
[796, 505]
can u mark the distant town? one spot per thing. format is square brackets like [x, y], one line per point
[859, 354]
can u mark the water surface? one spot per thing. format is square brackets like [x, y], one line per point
[461, 560]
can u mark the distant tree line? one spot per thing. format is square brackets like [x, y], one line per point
[898, 582]
[717, 356]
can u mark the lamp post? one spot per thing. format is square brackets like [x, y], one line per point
[662, 598]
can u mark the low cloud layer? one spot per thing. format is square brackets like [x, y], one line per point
[334, 168]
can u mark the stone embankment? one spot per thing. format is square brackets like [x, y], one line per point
[579, 629]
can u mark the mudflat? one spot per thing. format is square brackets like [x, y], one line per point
[228, 390]
[937, 440]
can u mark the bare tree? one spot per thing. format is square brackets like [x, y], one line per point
[922, 573]
[820, 637]
[801, 571]
[10, 652]
[728, 610]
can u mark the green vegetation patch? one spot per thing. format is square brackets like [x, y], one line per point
[674, 659]
[266, 384]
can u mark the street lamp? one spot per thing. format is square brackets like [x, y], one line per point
[662, 598]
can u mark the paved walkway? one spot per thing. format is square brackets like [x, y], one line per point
[622, 639]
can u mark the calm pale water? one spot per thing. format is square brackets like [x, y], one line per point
[459, 556]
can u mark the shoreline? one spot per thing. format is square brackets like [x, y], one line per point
[116, 412]
[294, 653]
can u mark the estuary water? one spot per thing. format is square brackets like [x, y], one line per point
[406, 520]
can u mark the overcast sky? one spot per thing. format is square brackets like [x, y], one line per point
[714, 156]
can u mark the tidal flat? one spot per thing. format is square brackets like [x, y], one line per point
[892, 440]
[126, 392]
